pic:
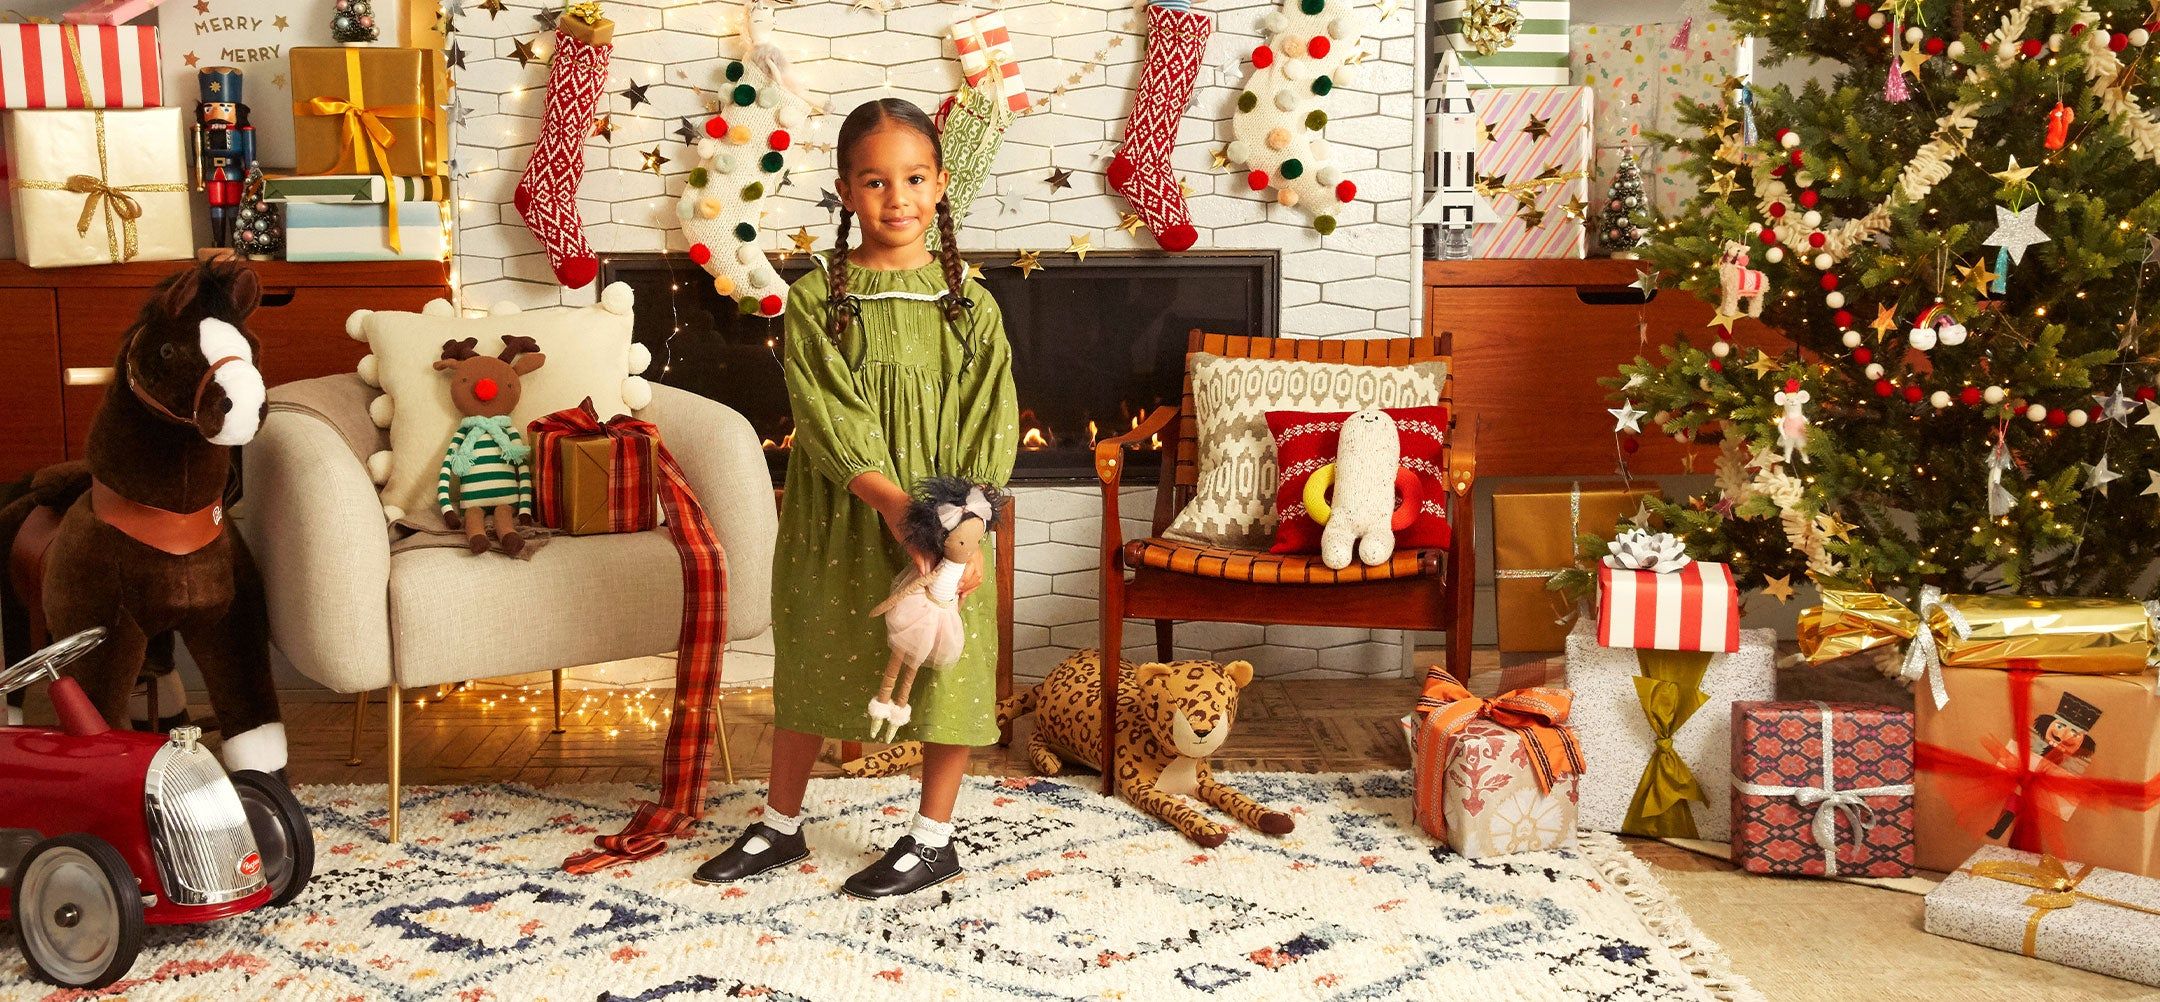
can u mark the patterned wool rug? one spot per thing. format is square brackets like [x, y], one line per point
[1068, 895]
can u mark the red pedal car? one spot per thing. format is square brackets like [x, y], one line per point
[104, 832]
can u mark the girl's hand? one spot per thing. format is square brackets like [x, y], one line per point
[895, 517]
[971, 578]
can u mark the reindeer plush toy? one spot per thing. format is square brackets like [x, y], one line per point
[949, 517]
[486, 471]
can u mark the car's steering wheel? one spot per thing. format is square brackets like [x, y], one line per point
[49, 660]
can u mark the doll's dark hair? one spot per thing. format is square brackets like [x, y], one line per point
[924, 532]
[867, 118]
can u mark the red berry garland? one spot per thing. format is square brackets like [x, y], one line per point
[1969, 396]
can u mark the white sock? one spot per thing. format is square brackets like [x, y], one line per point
[261, 749]
[785, 824]
[931, 834]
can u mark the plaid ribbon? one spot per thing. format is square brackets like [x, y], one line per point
[632, 504]
[684, 770]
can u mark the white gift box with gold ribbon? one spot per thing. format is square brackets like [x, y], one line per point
[99, 187]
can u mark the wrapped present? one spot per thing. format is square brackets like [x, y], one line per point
[2075, 914]
[109, 11]
[591, 476]
[1533, 164]
[1534, 530]
[1656, 732]
[99, 187]
[2043, 762]
[68, 66]
[1822, 789]
[1494, 776]
[2006, 632]
[353, 188]
[329, 231]
[371, 111]
[1695, 608]
[1639, 74]
[986, 54]
[1535, 54]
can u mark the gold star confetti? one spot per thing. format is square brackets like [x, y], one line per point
[804, 242]
[1732, 83]
[1538, 128]
[202, 6]
[1884, 321]
[1732, 151]
[281, 23]
[522, 51]
[2014, 174]
[1976, 275]
[1078, 245]
[493, 7]
[189, 59]
[1130, 222]
[1184, 188]
[1059, 179]
[278, 81]
[1576, 208]
[653, 160]
[604, 127]
[1220, 157]
[1723, 319]
[1779, 588]
[974, 271]
[1724, 185]
[1486, 133]
[1725, 122]
[1763, 364]
[1530, 217]
[1029, 263]
[1835, 527]
[1911, 60]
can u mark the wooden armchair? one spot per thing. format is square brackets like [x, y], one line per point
[1173, 580]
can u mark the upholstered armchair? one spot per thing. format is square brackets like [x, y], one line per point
[353, 616]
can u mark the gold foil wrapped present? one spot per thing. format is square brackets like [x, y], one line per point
[1848, 622]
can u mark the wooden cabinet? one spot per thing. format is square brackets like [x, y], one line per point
[1532, 339]
[64, 328]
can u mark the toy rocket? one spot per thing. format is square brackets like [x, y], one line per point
[224, 147]
[1455, 207]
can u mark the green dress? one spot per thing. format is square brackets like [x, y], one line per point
[894, 397]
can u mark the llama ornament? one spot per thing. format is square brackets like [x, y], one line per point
[1277, 127]
[1737, 281]
[742, 159]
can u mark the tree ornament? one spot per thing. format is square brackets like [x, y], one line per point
[1738, 281]
[2014, 231]
[2098, 476]
[1792, 427]
[352, 22]
[1934, 325]
[2000, 498]
[2058, 126]
[738, 176]
[257, 231]
[1491, 25]
[1289, 107]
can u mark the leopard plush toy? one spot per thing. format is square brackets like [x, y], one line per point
[1172, 717]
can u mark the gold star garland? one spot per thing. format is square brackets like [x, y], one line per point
[1095, 62]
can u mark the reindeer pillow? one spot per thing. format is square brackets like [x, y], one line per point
[589, 352]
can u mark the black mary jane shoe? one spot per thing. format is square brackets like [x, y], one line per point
[739, 862]
[885, 878]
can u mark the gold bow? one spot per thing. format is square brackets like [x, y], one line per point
[364, 130]
[1670, 690]
[120, 245]
[2054, 889]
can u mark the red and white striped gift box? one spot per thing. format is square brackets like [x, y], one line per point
[979, 39]
[1696, 608]
[79, 66]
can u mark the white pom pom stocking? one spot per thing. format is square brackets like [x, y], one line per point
[1278, 121]
[744, 156]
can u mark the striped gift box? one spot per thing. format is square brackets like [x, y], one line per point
[1516, 153]
[72, 66]
[351, 188]
[1696, 608]
[325, 231]
[982, 40]
[1539, 57]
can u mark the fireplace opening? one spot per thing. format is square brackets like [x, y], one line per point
[1097, 344]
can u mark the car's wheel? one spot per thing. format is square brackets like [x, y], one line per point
[79, 912]
[281, 832]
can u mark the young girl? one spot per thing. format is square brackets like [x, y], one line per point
[897, 370]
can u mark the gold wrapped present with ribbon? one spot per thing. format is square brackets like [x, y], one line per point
[2081, 636]
[1534, 530]
[2074, 914]
[371, 111]
[99, 187]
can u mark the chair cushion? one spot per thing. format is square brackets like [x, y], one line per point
[1306, 442]
[1262, 567]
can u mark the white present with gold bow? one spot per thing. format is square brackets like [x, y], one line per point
[99, 187]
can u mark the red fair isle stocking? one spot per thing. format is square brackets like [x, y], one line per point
[1141, 170]
[547, 194]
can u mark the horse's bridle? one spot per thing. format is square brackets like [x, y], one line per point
[127, 364]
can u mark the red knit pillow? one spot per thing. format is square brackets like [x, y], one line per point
[1305, 442]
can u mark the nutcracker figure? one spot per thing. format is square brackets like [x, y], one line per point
[224, 147]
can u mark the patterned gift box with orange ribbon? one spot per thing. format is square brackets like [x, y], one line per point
[1494, 776]
[70, 66]
[2070, 913]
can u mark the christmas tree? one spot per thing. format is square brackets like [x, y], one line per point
[257, 233]
[1622, 226]
[1954, 235]
[354, 21]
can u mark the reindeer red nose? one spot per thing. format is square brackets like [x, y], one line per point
[486, 390]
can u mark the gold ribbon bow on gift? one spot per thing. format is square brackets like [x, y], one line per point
[364, 131]
[1670, 689]
[120, 243]
[2054, 889]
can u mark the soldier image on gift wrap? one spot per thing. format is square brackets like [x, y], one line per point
[2062, 745]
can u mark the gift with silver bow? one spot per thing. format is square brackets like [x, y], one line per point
[1652, 596]
[1822, 789]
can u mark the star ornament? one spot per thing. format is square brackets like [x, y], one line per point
[653, 161]
[2152, 488]
[2114, 406]
[2152, 417]
[2098, 476]
[522, 51]
[1885, 319]
[2014, 174]
[1219, 157]
[493, 7]
[1763, 365]
[804, 242]
[1725, 185]
[1977, 275]
[1626, 417]
[604, 127]
[1779, 588]
[1645, 281]
[636, 93]
[1912, 60]
[1723, 319]
[1078, 245]
[2152, 249]
[1059, 179]
[1029, 263]
[1130, 222]
[2015, 231]
[974, 271]
[828, 201]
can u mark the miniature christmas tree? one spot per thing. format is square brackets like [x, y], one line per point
[354, 22]
[257, 231]
[1623, 225]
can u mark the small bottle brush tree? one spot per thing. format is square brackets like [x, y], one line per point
[257, 231]
[1623, 225]
[1953, 234]
[354, 21]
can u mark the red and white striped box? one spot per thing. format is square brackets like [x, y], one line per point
[982, 42]
[1696, 608]
[79, 66]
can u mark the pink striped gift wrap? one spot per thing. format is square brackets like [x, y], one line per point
[1696, 608]
[1516, 153]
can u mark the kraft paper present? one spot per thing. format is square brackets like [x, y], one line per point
[1822, 789]
[2084, 789]
[1534, 530]
[71, 66]
[587, 500]
[99, 187]
[2070, 913]
[338, 91]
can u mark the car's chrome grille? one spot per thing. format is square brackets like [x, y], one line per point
[200, 829]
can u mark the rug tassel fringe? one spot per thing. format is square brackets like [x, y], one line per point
[1703, 957]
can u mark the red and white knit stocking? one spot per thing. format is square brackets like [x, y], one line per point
[1141, 171]
[547, 194]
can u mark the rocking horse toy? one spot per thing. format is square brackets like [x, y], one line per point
[133, 538]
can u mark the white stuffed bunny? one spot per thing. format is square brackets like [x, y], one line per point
[1361, 517]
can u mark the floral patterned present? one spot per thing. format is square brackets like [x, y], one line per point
[1494, 776]
[1822, 789]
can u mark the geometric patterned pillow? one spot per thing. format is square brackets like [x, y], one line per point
[1233, 504]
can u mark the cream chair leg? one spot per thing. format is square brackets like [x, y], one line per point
[727, 761]
[395, 698]
[558, 701]
[359, 713]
